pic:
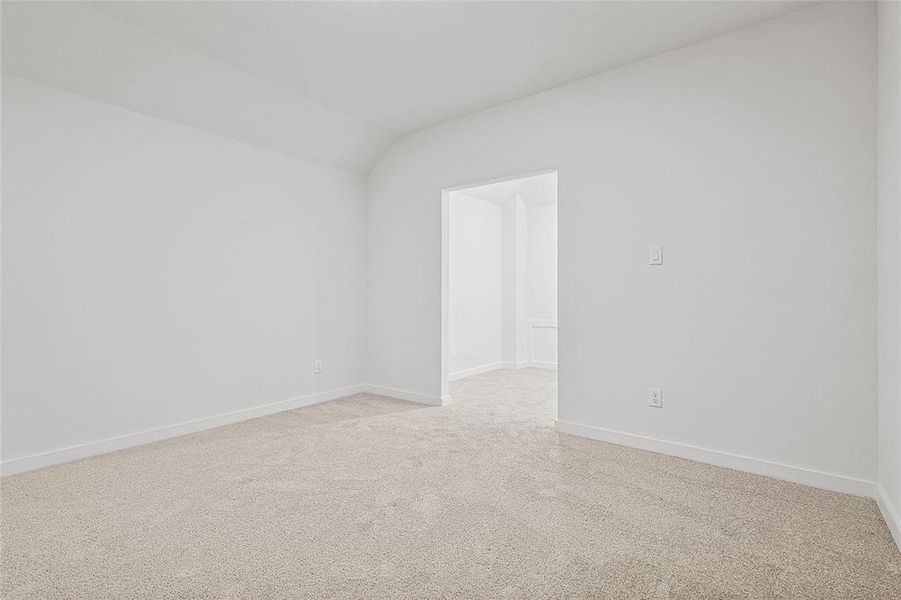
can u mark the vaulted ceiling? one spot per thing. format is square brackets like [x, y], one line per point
[337, 82]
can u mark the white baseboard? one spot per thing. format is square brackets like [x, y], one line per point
[889, 513]
[817, 479]
[535, 364]
[475, 371]
[381, 390]
[64, 455]
[515, 365]
[543, 365]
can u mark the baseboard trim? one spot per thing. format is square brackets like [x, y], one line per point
[475, 371]
[535, 364]
[130, 440]
[515, 365]
[810, 477]
[543, 365]
[381, 390]
[889, 513]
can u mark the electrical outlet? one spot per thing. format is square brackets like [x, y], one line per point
[453, 352]
[317, 367]
[655, 397]
[655, 255]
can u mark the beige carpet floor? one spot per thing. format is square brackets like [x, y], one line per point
[369, 497]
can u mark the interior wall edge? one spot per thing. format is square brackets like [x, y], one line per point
[889, 513]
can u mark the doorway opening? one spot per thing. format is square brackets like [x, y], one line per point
[499, 278]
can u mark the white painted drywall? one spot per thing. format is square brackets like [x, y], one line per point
[512, 296]
[889, 301]
[750, 157]
[542, 261]
[523, 331]
[475, 270]
[542, 284]
[516, 329]
[155, 274]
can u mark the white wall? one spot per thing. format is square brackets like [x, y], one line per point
[475, 277]
[542, 282]
[889, 302]
[751, 157]
[542, 261]
[154, 274]
[515, 350]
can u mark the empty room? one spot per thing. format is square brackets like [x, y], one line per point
[458, 299]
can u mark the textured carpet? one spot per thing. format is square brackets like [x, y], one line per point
[377, 498]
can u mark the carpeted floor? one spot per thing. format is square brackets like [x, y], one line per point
[369, 497]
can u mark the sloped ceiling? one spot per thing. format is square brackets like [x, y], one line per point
[337, 82]
[80, 50]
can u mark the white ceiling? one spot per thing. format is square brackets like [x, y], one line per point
[407, 65]
[285, 74]
[535, 190]
[80, 50]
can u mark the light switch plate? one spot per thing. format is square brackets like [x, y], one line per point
[655, 255]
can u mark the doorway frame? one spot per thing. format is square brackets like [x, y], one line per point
[445, 273]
